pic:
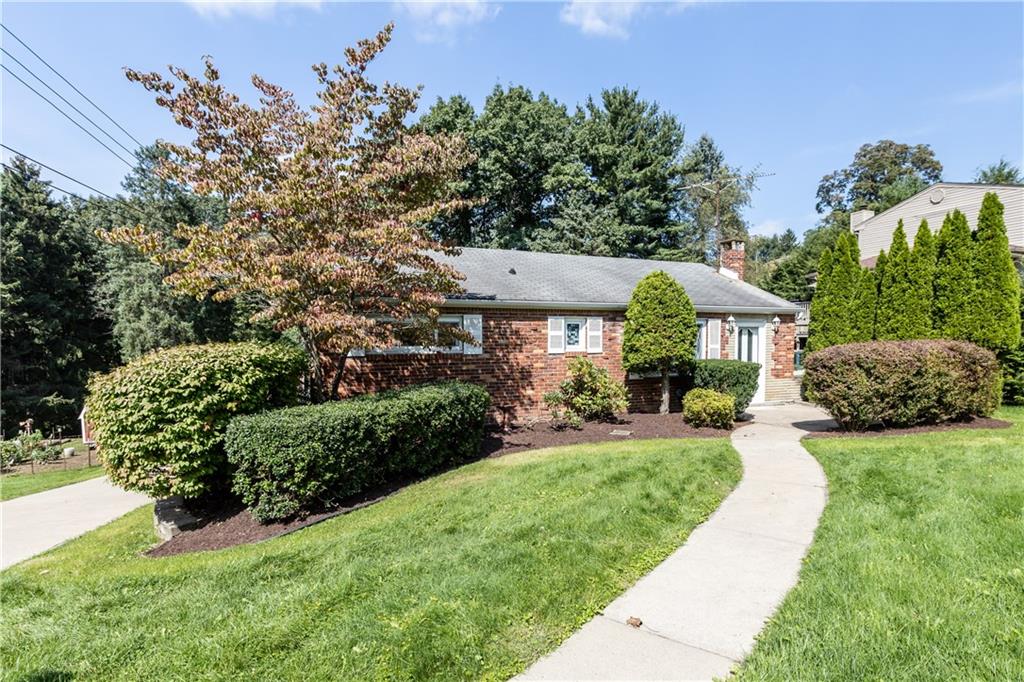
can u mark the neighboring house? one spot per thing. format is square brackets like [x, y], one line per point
[874, 232]
[531, 312]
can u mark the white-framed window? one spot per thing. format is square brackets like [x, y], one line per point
[701, 352]
[443, 342]
[575, 334]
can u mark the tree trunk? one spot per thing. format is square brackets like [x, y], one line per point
[665, 391]
[316, 379]
[336, 382]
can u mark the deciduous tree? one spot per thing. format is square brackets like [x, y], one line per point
[326, 206]
[875, 167]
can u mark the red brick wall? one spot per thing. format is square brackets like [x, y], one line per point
[784, 345]
[734, 257]
[515, 366]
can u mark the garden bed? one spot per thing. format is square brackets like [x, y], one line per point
[975, 423]
[231, 524]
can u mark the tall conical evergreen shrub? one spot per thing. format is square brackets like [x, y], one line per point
[953, 284]
[897, 293]
[996, 309]
[863, 314]
[918, 318]
[820, 303]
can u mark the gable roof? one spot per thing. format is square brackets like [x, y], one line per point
[530, 279]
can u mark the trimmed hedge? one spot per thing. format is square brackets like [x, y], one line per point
[903, 383]
[734, 377]
[296, 459]
[160, 419]
[705, 407]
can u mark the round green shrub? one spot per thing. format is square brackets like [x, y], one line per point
[735, 377]
[160, 420]
[587, 394]
[290, 460]
[705, 407]
[903, 383]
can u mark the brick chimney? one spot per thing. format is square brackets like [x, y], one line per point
[732, 258]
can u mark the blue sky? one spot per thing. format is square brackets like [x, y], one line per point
[794, 88]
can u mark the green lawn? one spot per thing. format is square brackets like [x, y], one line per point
[917, 568]
[16, 485]
[473, 574]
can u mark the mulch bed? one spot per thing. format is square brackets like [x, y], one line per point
[975, 423]
[232, 524]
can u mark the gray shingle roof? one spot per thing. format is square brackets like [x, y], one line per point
[532, 279]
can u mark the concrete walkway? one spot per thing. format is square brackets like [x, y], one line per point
[703, 606]
[35, 523]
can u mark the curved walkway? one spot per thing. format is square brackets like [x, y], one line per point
[35, 523]
[703, 606]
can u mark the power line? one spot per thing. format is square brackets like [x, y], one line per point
[64, 99]
[65, 115]
[72, 86]
[51, 168]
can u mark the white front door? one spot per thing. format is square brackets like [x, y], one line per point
[750, 348]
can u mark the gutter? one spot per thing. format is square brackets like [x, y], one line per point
[593, 305]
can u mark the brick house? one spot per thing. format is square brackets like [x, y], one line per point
[531, 312]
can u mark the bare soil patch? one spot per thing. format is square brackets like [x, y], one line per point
[226, 523]
[975, 423]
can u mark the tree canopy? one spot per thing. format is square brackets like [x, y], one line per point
[1000, 173]
[876, 168]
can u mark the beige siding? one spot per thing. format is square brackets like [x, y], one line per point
[875, 233]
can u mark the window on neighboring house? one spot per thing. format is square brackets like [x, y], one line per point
[575, 334]
[444, 342]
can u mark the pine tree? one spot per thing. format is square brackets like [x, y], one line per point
[897, 293]
[863, 314]
[954, 279]
[996, 305]
[820, 304]
[918, 318]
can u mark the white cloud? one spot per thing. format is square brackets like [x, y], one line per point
[261, 9]
[438, 21]
[604, 19]
[990, 94]
[767, 228]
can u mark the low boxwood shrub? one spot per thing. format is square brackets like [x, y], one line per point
[903, 383]
[160, 420]
[295, 459]
[706, 407]
[735, 377]
[588, 394]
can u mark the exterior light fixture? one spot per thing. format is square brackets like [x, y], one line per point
[775, 324]
[730, 325]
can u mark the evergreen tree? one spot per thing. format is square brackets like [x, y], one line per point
[51, 333]
[582, 227]
[660, 331]
[863, 313]
[953, 284]
[918, 318]
[996, 308]
[838, 325]
[897, 293]
[820, 304]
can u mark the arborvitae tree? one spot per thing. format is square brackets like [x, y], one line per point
[918, 318]
[897, 292]
[820, 304]
[660, 330]
[863, 313]
[953, 284]
[996, 308]
[880, 263]
[844, 285]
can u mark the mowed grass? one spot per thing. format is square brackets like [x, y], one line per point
[16, 485]
[917, 569]
[470, 575]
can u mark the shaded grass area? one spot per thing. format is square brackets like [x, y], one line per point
[16, 485]
[470, 575]
[917, 568]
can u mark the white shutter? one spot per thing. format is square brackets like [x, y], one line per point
[714, 339]
[474, 324]
[556, 334]
[595, 334]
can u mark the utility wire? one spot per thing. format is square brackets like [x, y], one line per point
[62, 174]
[64, 99]
[72, 85]
[65, 115]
